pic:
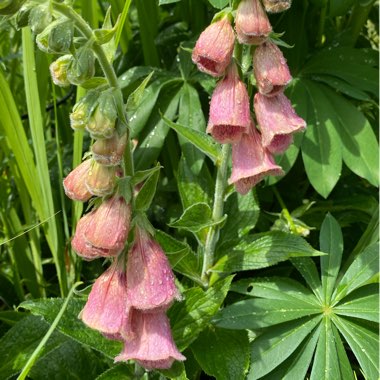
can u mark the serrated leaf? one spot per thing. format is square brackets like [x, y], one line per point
[262, 250]
[278, 343]
[363, 342]
[223, 354]
[195, 218]
[189, 317]
[331, 241]
[145, 196]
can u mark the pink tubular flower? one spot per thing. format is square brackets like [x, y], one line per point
[74, 183]
[109, 151]
[106, 309]
[251, 162]
[251, 23]
[153, 346]
[277, 121]
[213, 50]
[100, 179]
[229, 109]
[150, 279]
[270, 68]
[108, 228]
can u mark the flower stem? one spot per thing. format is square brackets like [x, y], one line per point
[285, 211]
[217, 213]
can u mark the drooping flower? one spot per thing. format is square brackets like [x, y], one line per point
[151, 285]
[277, 121]
[109, 151]
[100, 179]
[251, 162]
[153, 346]
[107, 309]
[276, 6]
[229, 109]
[74, 184]
[213, 50]
[251, 23]
[58, 70]
[270, 68]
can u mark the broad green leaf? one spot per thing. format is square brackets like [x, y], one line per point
[242, 214]
[195, 218]
[260, 251]
[330, 241]
[70, 325]
[11, 317]
[146, 194]
[321, 147]
[189, 317]
[363, 342]
[201, 140]
[118, 372]
[176, 372]
[275, 288]
[326, 363]
[218, 3]
[363, 268]
[362, 303]
[278, 343]
[21, 340]
[223, 354]
[257, 313]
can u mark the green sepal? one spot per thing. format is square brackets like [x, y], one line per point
[146, 194]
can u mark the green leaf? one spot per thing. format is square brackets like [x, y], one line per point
[363, 268]
[146, 194]
[223, 354]
[70, 325]
[331, 241]
[201, 140]
[262, 250]
[94, 83]
[321, 147]
[162, 2]
[257, 313]
[363, 342]
[218, 3]
[195, 218]
[189, 317]
[176, 372]
[118, 372]
[134, 99]
[278, 343]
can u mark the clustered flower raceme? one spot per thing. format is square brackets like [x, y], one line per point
[230, 119]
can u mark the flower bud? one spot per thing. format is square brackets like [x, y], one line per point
[74, 183]
[40, 17]
[109, 151]
[82, 110]
[229, 109]
[109, 226]
[277, 121]
[100, 180]
[101, 124]
[270, 68]
[82, 67]
[277, 6]
[10, 7]
[153, 346]
[251, 162]
[213, 50]
[58, 70]
[22, 17]
[106, 309]
[150, 279]
[251, 23]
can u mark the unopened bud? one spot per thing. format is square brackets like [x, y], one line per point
[100, 180]
[40, 17]
[277, 6]
[82, 110]
[109, 151]
[82, 67]
[58, 70]
[22, 17]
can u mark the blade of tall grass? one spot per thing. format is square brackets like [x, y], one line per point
[53, 232]
[124, 32]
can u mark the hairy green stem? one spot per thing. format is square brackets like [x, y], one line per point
[217, 213]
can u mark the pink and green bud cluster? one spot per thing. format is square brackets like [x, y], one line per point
[230, 119]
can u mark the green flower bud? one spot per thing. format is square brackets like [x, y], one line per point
[22, 17]
[82, 67]
[82, 110]
[101, 124]
[57, 37]
[58, 70]
[10, 7]
[39, 18]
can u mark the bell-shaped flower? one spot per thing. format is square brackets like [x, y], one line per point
[151, 285]
[100, 179]
[251, 162]
[153, 346]
[107, 309]
[277, 6]
[270, 68]
[109, 151]
[213, 50]
[229, 109]
[74, 184]
[277, 121]
[108, 228]
[251, 23]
